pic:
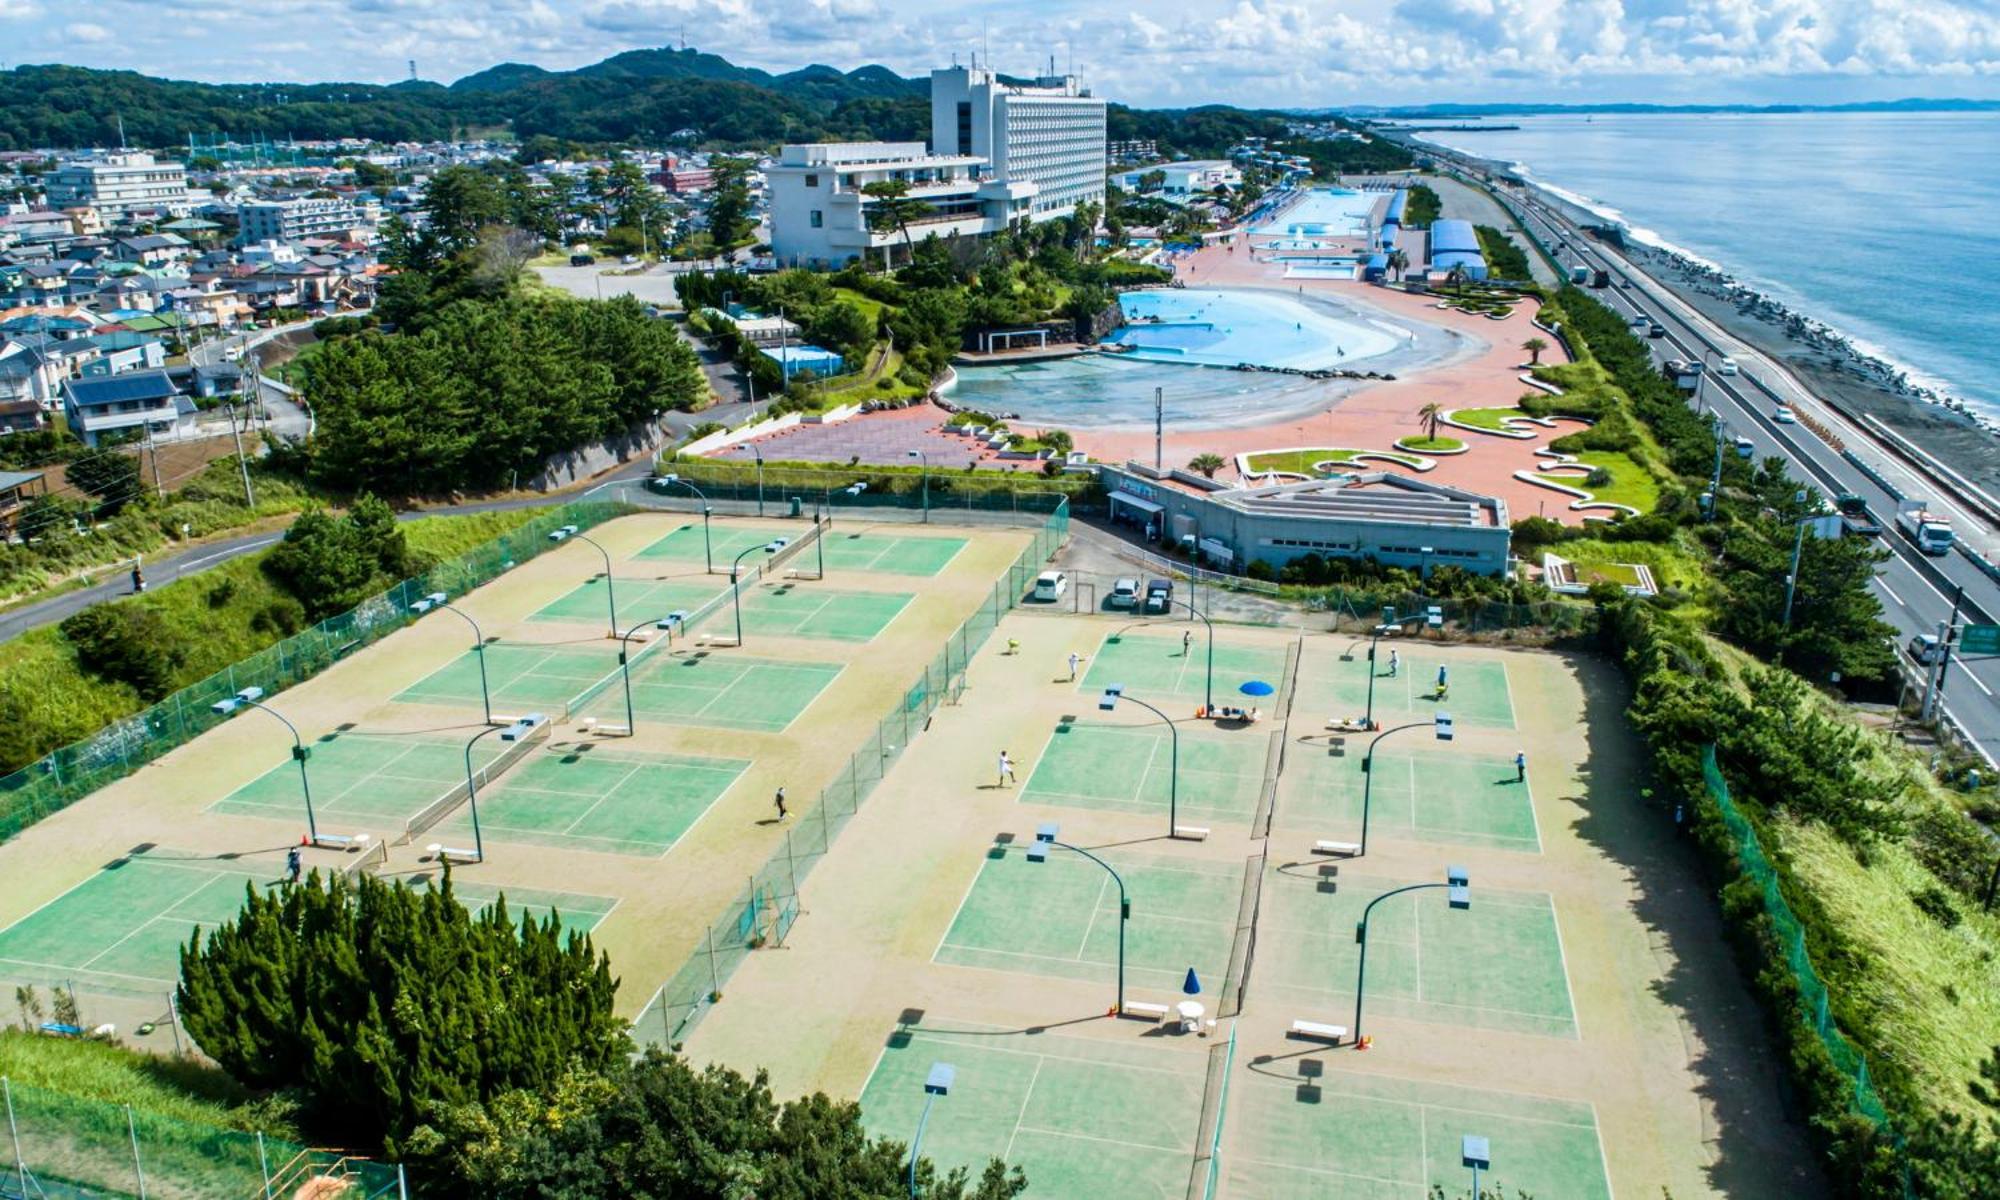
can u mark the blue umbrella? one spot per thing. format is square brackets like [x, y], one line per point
[1256, 687]
[1192, 986]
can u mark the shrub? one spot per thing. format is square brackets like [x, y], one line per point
[127, 644]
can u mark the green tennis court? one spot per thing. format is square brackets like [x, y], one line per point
[1154, 667]
[640, 601]
[1477, 692]
[728, 690]
[522, 676]
[1496, 965]
[728, 541]
[1060, 917]
[577, 912]
[1128, 768]
[1082, 1116]
[1442, 795]
[595, 798]
[807, 610]
[1302, 1129]
[362, 777]
[889, 553]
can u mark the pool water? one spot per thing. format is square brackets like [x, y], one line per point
[1324, 212]
[1227, 328]
[1116, 391]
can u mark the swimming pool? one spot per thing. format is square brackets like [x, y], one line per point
[1323, 212]
[1227, 328]
[1116, 391]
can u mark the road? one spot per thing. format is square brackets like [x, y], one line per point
[1917, 590]
[194, 559]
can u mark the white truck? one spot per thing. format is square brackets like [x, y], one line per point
[1931, 532]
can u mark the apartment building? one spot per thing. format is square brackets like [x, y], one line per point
[118, 185]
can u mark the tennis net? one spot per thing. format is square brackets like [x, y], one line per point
[430, 814]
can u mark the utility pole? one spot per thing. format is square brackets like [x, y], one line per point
[242, 463]
[153, 448]
[1934, 683]
[1159, 428]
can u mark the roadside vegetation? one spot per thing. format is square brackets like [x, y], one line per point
[1504, 257]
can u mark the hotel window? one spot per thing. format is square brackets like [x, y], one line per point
[818, 218]
[812, 180]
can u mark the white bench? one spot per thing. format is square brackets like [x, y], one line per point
[1191, 833]
[612, 730]
[341, 841]
[1318, 1031]
[1346, 725]
[1350, 849]
[1145, 1011]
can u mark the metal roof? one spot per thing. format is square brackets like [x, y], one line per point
[115, 389]
[1453, 235]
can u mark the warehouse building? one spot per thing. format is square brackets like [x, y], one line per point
[1455, 244]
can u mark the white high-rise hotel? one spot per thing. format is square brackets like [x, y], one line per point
[999, 152]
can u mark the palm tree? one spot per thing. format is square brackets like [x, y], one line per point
[1399, 262]
[1207, 463]
[1534, 346]
[1430, 414]
[1457, 276]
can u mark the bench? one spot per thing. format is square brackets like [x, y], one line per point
[1145, 1011]
[342, 841]
[1191, 833]
[1346, 725]
[1350, 849]
[1318, 1031]
[611, 730]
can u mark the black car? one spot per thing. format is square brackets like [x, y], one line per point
[1656, 330]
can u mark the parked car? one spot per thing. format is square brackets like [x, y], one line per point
[1050, 586]
[582, 260]
[1124, 593]
[1785, 416]
[1159, 595]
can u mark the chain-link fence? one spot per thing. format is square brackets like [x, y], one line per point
[66, 1147]
[1758, 869]
[800, 493]
[764, 911]
[65, 776]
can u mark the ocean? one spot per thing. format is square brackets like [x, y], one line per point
[1885, 226]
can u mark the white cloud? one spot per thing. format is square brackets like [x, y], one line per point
[84, 31]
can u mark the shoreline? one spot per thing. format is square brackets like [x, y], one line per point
[1829, 364]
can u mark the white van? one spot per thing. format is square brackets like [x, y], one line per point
[1050, 585]
[1725, 365]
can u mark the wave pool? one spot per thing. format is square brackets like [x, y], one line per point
[1323, 212]
[1228, 328]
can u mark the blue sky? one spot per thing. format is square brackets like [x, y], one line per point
[1155, 53]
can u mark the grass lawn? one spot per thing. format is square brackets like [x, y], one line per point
[1622, 574]
[1435, 445]
[867, 304]
[1630, 483]
[184, 1089]
[1486, 418]
[1301, 462]
[866, 385]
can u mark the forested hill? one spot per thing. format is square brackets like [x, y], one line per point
[640, 95]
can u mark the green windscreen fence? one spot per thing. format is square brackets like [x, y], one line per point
[1750, 855]
[762, 914]
[67, 775]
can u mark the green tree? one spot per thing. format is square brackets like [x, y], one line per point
[110, 475]
[890, 206]
[729, 210]
[126, 643]
[1534, 346]
[379, 1004]
[1208, 463]
[329, 563]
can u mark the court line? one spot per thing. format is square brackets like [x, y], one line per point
[1471, 1008]
[71, 968]
[1500, 1112]
[630, 773]
[945, 1039]
[967, 895]
[79, 884]
[1022, 1114]
[1171, 973]
[136, 930]
[1285, 1166]
[1562, 960]
[1091, 1137]
[1095, 908]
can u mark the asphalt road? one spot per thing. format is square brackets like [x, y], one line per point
[1917, 590]
[166, 568]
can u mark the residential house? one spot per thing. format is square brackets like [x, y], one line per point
[154, 249]
[143, 401]
[17, 488]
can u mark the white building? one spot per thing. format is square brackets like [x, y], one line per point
[1000, 152]
[119, 184]
[292, 220]
[1184, 178]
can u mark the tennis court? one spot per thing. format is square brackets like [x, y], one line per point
[728, 541]
[1060, 917]
[1082, 1116]
[524, 676]
[640, 601]
[1129, 768]
[1301, 1128]
[1496, 965]
[1477, 692]
[121, 930]
[732, 691]
[796, 610]
[891, 554]
[577, 912]
[377, 780]
[592, 797]
[1154, 667]
[1442, 795]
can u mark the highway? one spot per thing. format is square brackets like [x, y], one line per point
[1917, 590]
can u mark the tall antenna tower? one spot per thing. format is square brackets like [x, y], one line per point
[413, 70]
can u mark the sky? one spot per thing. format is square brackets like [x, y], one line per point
[1156, 53]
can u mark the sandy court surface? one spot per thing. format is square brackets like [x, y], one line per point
[654, 905]
[925, 937]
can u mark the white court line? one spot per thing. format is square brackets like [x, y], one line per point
[140, 928]
[630, 773]
[1095, 908]
[1022, 1115]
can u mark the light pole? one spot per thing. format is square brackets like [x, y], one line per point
[252, 697]
[508, 733]
[759, 454]
[1109, 703]
[1038, 851]
[439, 600]
[919, 454]
[1460, 896]
[1475, 1152]
[707, 547]
[1798, 549]
[1368, 718]
[668, 623]
[937, 1083]
[735, 572]
[611, 597]
[1441, 723]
